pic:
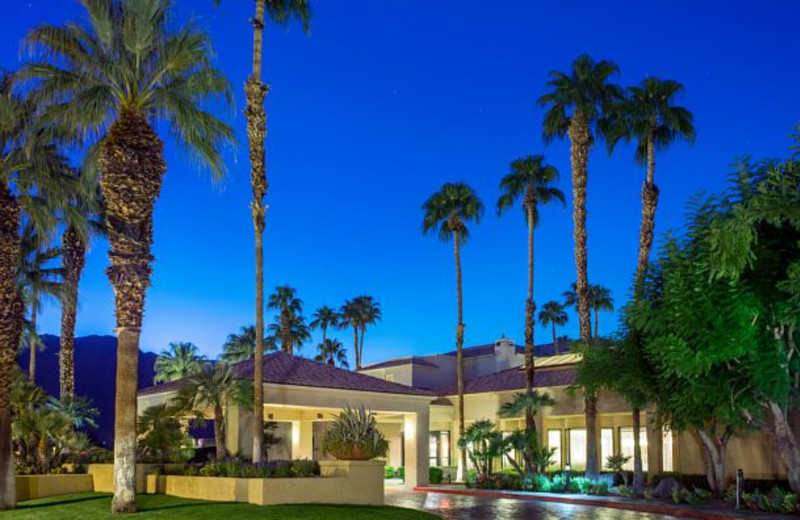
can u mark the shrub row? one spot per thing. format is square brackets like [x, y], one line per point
[301, 468]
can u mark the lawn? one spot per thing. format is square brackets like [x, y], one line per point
[98, 506]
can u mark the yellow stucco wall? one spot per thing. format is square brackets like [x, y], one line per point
[30, 487]
[103, 476]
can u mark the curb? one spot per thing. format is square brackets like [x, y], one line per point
[629, 506]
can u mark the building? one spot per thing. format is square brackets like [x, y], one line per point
[415, 400]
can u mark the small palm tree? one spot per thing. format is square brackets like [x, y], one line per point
[350, 316]
[278, 12]
[532, 181]
[241, 346]
[553, 314]
[370, 312]
[600, 300]
[114, 78]
[289, 307]
[527, 404]
[39, 279]
[650, 117]
[323, 319]
[332, 352]
[447, 213]
[216, 387]
[292, 333]
[178, 361]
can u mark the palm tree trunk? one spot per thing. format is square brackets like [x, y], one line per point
[11, 317]
[580, 142]
[649, 203]
[530, 310]
[460, 346]
[219, 434]
[638, 475]
[355, 347]
[286, 341]
[596, 323]
[555, 338]
[132, 168]
[255, 93]
[73, 259]
[33, 341]
[361, 341]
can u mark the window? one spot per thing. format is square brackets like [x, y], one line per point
[554, 441]
[667, 459]
[439, 448]
[606, 445]
[577, 448]
[626, 446]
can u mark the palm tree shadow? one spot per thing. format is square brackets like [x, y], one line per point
[64, 502]
[178, 506]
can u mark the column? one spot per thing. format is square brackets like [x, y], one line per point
[416, 432]
[302, 440]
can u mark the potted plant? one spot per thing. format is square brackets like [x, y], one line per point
[354, 435]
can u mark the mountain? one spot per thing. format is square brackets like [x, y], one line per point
[95, 375]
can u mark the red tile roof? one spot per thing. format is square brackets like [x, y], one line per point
[412, 360]
[297, 371]
[513, 379]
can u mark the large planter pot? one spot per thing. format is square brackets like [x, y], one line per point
[354, 453]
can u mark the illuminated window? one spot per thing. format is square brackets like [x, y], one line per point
[577, 448]
[668, 451]
[554, 441]
[439, 448]
[626, 446]
[606, 445]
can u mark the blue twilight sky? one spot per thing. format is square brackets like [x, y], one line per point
[387, 100]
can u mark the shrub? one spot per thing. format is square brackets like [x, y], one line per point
[504, 481]
[400, 472]
[304, 468]
[435, 475]
[388, 472]
[616, 463]
[558, 484]
[688, 481]
[354, 435]
[470, 477]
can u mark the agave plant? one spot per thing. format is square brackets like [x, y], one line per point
[354, 435]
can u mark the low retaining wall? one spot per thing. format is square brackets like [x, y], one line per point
[342, 482]
[103, 475]
[30, 487]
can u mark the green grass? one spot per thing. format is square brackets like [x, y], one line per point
[98, 506]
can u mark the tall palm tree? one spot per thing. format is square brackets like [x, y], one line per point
[650, 117]
[576, 103]
[447, 213]
[531, 180]
[323, 319]
[553, 314]
[600, 299]
[216, 387]
[32, 187]
[350, 316]
[178, 361]
[332, 352]
[370, 314]
[82, 223]
[241, 346]
[114, 78]
[289, 307]
[279, 12]
[39, 279]
[292, 332]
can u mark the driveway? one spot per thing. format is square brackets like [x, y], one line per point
[458, 507]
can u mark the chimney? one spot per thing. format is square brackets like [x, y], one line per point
[504, 353]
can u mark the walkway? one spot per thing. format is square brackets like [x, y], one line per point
[456, 503]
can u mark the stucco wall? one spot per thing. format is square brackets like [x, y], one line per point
[30, 487]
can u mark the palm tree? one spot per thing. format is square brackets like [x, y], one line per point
[115, 78]
[216, 387]
[32, 187]
[38, 280]
[553, 314]
[370, 312]
[576, 103]
[324, 318]
[178, 361]
[332, 352]
[82, 223]
[600, 300]
[350, 316]
[289, 307]
[447, 213]
[241, 346]
[649, 116]
[527, 405]
[530, 179]
[279, 12]
[291, 331]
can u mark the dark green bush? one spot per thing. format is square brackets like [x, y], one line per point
[388, 472]
[435, 475]
[400, 472]
[304, 468]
